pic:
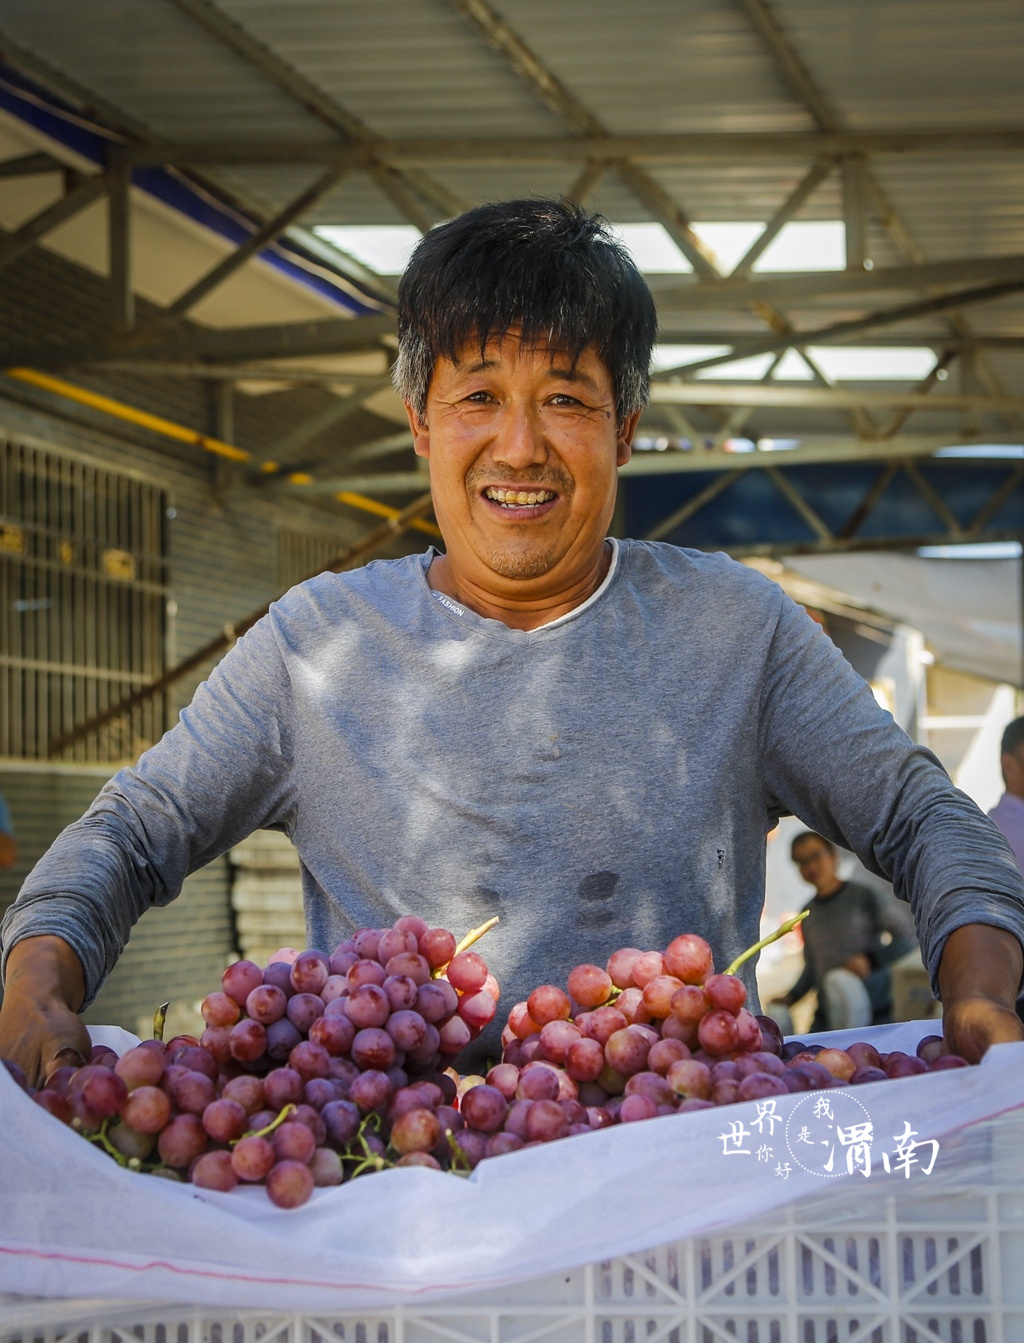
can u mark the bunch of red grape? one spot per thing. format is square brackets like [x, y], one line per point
[318, 1068]
[312, 1069]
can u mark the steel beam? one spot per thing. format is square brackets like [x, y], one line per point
[814, 450]
[30, 165]
[253, 245]
[12, 245]
[278, 454]
[792, 286]
[567, 107]
[285, 340]
[840, 331]
[786, 211]
[285, 77]
[119, 249]
[495, 151]
[712, 393]
[855, 212]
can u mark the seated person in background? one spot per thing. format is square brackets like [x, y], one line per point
[846, 958]
[1008, 813]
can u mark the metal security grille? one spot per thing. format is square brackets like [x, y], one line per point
[82, 604]
[300, 554]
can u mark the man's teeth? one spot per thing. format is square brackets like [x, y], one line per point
[514, 498]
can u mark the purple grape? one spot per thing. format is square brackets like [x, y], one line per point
[309, 1060]
[147, 1109]
[309, 972]
[192, 1092]
[546, 1122]
[406, 1028]
[867, 1073]
[225, 1120]
[326, 1168]
[367, 1006]
[282, 1037]
[279, 974]
[266, 1003]
[319, 1090]
[370, 1090]
[303, 1009]
[636, 1107]
[213, 1170]
[248, 1041]
[182, 1141]
[498, 1144]
[281, 1087]
[292, 1141]
[252, 1158]
[239, 980]
[402, 992]
[373, 1048]
[342, 1120]
[417, 1130]
[484, 1108]
[470, 1147]
[758, 1086]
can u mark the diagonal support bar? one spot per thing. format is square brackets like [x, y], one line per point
[263, 236]
[14, 244]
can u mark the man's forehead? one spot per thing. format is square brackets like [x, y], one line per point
[509, 348]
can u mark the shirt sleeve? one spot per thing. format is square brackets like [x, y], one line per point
[835, 759]
[223, 771]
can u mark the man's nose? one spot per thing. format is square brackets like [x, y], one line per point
[520, 440]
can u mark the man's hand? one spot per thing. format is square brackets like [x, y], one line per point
[979, 978]
[859, 965]
[39, 1025]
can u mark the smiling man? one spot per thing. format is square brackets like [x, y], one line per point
[589, 737]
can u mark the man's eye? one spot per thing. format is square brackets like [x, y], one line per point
[564, 399]
[478, 397]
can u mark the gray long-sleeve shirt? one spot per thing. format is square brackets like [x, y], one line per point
[605, 780]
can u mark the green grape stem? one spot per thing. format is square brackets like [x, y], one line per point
[474, 935]
[781, 931]
[289, 1109]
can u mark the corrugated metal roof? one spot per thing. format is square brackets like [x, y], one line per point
[323, 71]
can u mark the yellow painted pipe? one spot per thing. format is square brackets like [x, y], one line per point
[383, 510]
[158, 425]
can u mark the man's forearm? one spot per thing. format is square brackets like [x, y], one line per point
[46, 969]
[979, 961]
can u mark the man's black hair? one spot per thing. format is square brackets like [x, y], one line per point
[1013, 737]
[546, 267]
[804, 836]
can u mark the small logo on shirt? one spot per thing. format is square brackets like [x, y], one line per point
[449, 604]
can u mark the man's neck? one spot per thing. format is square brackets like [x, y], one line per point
[518, 607]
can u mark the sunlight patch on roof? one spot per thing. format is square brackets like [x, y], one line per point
[384, 248]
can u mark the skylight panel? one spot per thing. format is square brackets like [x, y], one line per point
[977, 550]
[652, 249]
[871, 363]
[806, 245]
[793, 368]
[730, 241]
[673, 356]
[385, 248]
[751, 369]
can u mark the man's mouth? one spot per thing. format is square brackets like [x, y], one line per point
[518, 498]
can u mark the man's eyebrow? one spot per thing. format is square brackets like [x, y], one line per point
[562, 372]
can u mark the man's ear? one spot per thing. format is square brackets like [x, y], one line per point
[624, 438]
[420, 433]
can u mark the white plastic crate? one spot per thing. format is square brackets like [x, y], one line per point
[938, 1263]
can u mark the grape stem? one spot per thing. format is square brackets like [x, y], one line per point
[159, 1017]
[781, 931]
[474, 935]
[262, 1133]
